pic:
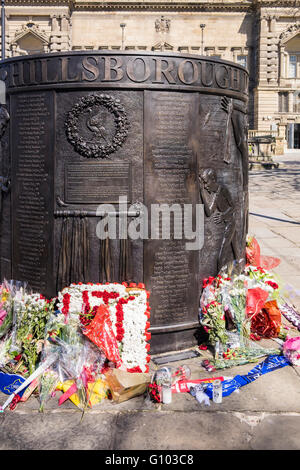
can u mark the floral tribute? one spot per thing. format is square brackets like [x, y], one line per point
[24, 316]
[128, 311]
[240, 309]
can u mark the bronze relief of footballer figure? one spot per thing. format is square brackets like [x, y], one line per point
[218, 205]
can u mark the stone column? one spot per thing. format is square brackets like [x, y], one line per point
[291, 101]
[282, 62]
[273, 24]
[64, 23]
[54, 24]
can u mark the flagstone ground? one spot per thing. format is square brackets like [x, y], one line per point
[264, 415]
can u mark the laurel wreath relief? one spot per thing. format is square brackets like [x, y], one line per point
[96, 149]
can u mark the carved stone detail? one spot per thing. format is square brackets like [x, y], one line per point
[103, 145]
[289, 32]
[162, 25]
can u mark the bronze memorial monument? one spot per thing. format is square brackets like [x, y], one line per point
[167, 131]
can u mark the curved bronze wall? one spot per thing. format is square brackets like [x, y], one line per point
[88, 127]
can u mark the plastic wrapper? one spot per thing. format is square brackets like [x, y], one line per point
[5, 344]
[240, 311]
[6, 309]
[197, 391]
[256, 299]
[45, 364]
[255, 258]
[47, 385]
[288, 299]
[17, 291]
[181, 373]
[81, 362]
[267, 322]
[11, 292]
[96, 392]
[100, 332]
[291, 350]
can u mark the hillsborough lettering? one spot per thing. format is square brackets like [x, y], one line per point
[125, 70]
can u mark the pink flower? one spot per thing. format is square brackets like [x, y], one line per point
[3, 314]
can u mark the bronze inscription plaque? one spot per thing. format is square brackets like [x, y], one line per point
[32, 186]
[170, 178]
[92, 183]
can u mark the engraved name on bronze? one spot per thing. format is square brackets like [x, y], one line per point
[31, 190]
[169, 269]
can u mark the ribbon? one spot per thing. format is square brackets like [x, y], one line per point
[268, 365]
[67, 394]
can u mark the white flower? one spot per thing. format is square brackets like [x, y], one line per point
[134, 351]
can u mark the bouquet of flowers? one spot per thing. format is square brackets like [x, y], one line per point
[231, 310]
[5, 308]
[47, 385]
[29, 330]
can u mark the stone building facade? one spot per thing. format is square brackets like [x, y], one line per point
[262, 35]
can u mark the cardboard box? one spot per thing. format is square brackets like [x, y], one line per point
[125, 385]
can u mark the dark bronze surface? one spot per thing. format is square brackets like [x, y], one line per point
[126, 70]
[87, 128]
[32, 136]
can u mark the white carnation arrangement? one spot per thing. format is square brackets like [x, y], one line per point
[131, 333]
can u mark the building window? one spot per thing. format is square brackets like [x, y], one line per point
[296, 103]
[292, 66]
[215, 56]
[242, 60]
[283, 102]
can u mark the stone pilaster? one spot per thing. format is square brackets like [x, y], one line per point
[60, 39]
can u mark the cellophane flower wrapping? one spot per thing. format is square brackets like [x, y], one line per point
[291, 350]
[47, 385]
[10, 292]
[6, 307]
[80, 363]
[255, 258]
[23, 328]
[32, 317]
[229, 309]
